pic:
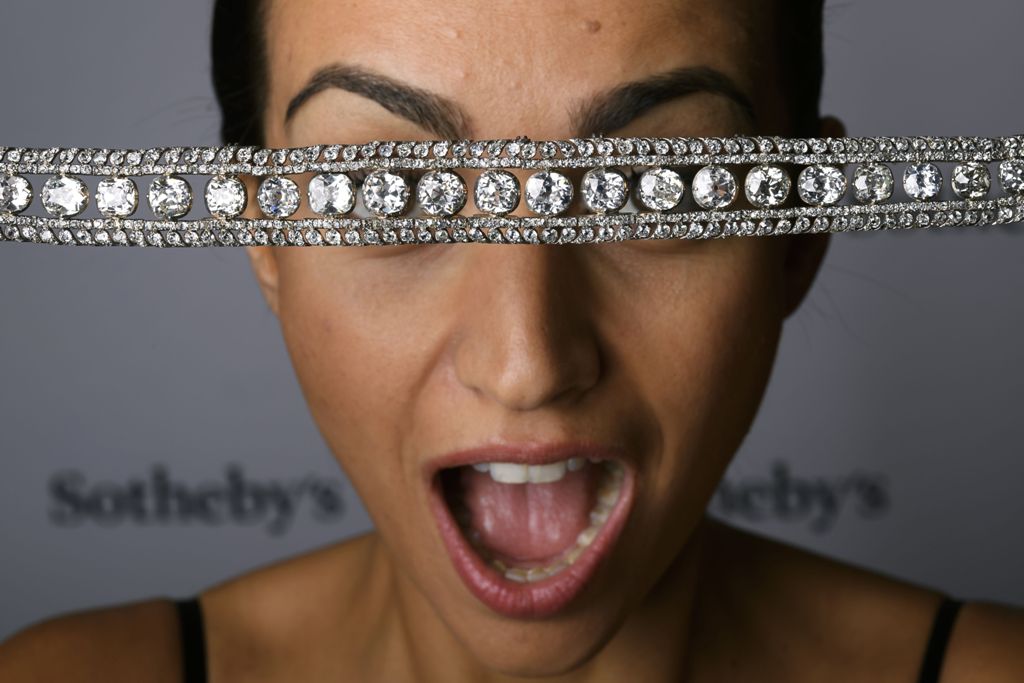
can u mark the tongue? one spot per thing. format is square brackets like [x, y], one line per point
[529, 521]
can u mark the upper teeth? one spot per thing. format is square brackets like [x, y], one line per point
[517, 473]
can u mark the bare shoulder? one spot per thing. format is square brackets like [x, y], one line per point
[837, 615]
[130, 642]
[986, 645]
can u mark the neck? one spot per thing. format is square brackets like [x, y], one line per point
[652, 644]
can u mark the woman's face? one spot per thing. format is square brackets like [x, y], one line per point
[656, 351]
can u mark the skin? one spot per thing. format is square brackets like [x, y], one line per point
[661, 348]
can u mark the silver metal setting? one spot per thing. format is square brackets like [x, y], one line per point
[981, 182]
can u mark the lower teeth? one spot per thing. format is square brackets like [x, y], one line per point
[607, 496]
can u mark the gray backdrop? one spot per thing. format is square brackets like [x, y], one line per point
[890, 436]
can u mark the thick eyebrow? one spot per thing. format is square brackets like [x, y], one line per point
[600, 114]
[613, 109]
[428, 110]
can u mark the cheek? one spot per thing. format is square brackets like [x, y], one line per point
[356, 360]
[703, 351]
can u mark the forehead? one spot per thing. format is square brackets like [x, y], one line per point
[519, 62]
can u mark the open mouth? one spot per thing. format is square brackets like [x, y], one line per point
[527, 538]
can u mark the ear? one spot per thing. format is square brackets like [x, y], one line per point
[805, 253]
[263, 260]
[264, 266]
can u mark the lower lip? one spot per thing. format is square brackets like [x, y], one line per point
[538, 599]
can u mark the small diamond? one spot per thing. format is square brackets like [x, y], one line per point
[767, 186]
[1011, 175]
[117, 197]
[496, 192]
[548, 193]
[661, 189]
[278, 197]
[15, 193]
[821, 185]
[873, 183]
[65, 196]
[922, 181]
[225, 196]
[714, 187]
[442, 193]
[385, 193]
[170, 197]
[971, 180]
[605, 189]
[332, 194]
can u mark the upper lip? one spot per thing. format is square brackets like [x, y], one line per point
[526, 453]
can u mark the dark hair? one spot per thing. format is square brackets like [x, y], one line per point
[239, 69]
[240, 65]
[802, 61]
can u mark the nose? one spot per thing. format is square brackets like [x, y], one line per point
[527, 338]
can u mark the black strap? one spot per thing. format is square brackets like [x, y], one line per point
[934, 655]
[193, 640]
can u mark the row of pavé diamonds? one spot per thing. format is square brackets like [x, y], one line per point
[583, 229]
[387, 193]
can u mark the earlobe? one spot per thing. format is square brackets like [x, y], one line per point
[804, 256]
[264, 266]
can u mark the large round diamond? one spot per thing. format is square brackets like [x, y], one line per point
[821, 185]
[117, 197]
[971, 180]
[873, 183]
[225, 196]
[1011, 176]
[661, 189]
[65, 196]
[922, 181]
[15, 193]
[496, 192]
[714, 187]
[442, 193]
[170, 197]
[278, 197]
[767, 186]
[548, 193]
[385, 193]
[332, 194]
[605, 189]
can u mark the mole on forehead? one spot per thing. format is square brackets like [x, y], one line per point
[392, 25]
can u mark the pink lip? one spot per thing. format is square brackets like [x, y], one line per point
[541, 598]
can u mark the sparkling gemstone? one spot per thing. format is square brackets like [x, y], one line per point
[605, 189]
[922, 181]
[332, 194]
[65, 196]
[278, 197]
[15, 193]
[117, 197]
[767, 186]
[385, 193]
[821, 185]
[1011, 176]
[442, 193]
[225, 196]
[971, 180]
[873, 183]
[170, 197]
[661, 189]
[714, 187]
[548, 193]
[496, 192]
